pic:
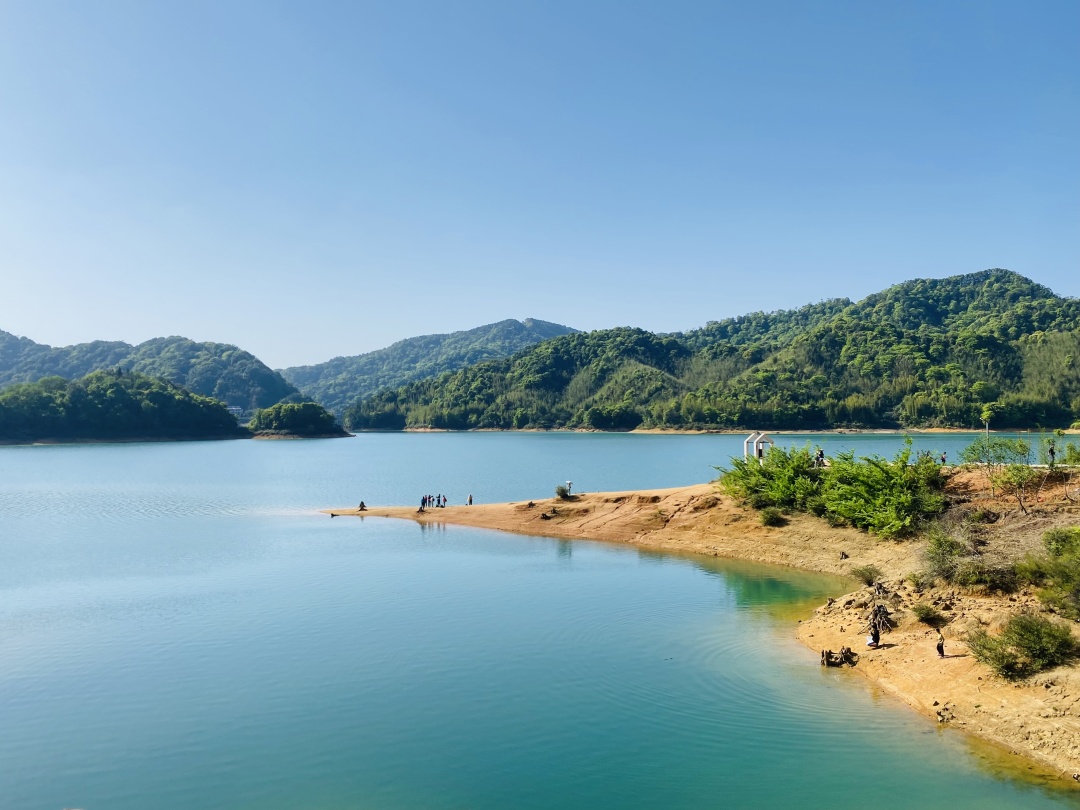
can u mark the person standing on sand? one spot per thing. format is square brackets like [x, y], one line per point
[940, 645]
[470, 500]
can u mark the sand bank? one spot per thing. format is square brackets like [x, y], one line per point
[1039, 719]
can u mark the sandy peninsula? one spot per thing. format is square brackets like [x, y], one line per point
[1038, 719]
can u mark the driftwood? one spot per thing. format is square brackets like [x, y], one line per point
[838, 659]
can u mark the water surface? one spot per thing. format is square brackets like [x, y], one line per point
[179, 628]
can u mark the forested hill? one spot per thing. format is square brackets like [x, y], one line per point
[217, 370]
[928, 352]
[107, 405]
[340, 382]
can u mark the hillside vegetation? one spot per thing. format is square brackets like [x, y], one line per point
[217, 370]
[927, 352]
[295, 419]
[110, 406]
[340, 382]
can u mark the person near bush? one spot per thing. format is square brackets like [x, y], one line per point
[940, 645]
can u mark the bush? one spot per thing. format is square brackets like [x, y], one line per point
[771, 516]
[995, 577]
[920, 580]
[943, 554]
[561, 492]
[1028, 644]
[1061, 578]
[1062, 541]
[867, 574]
[783, 478]
[886, 498]
[928, 614]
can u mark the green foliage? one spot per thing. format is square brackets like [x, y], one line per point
[1058, 572]
[886, 498]
[996, 452]
[976, 571]
[295, 419]
[771, 516]
[923, 353]
[1028, 644]
[867, 574]
[562, 492]
[338, 383]
[1061, 542]
[1016, 481]
[110, 405]
[920, 580]
[943, 555]
[928, 614]
[783, 478]
[215, 370]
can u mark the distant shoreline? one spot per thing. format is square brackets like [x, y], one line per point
[129, 440]
[727, 431]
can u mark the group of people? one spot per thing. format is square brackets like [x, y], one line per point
[432, 501]
[436, 502]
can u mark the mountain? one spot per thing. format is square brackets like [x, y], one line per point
[109, 405]
[340, 382]
[927, 352]
[215, 370]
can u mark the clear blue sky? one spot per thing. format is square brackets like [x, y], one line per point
[313, 179]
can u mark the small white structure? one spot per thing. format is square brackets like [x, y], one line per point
[754, 445]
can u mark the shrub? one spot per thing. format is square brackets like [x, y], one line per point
[815, 505]
[771, 516]
[928, 614]
[920, 580]
[943, 554]
[867, 574]
[1061, 578]
[995, 577]
[1028, 644]
[561, 492]
[1062, 541]
[886, 498]
[783, 478]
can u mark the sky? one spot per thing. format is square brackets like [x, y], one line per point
[314, 179]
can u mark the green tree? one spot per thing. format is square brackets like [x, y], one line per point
[295, 418]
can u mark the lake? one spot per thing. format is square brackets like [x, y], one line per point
[180, 628]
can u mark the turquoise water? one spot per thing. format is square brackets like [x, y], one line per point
[180, 629]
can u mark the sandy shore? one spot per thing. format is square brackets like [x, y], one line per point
[1039, 719]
